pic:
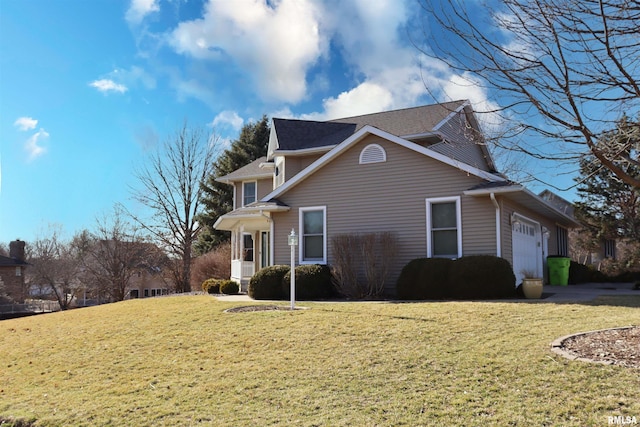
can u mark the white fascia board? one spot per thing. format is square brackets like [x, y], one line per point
[451, 115]
[273, 142]
[304, 151]
[370, 130]
[245, 178]
[499, 190]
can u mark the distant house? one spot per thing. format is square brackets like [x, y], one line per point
[420, 173]
[605, 249]
[12, 272]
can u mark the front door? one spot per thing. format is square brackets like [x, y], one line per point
[265, 254]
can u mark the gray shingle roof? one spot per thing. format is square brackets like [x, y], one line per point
[301, 134]
[5, 261]
[408, 121]
[304, 134]
[252, 170]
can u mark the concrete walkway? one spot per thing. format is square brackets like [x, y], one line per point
[573, 293]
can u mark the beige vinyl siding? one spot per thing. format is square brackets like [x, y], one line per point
[294, 164]
[387, 196]
[460, 143]
[264, 186]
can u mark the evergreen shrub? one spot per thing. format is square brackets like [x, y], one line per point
[313, 281]
[424, 278]
[470, 277]
[267, 283]
[211, 286]
[229, 287]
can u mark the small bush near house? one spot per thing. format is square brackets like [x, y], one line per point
[267, 283]
[313, 281]
[579, 273]
[470, 277]
[425, 278]
[229, 287]
[482, 276]
[211, 286]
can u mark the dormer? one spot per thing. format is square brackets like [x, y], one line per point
[250, 182]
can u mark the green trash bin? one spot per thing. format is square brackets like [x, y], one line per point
[558, 270]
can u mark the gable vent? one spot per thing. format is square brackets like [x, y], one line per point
[372, 153]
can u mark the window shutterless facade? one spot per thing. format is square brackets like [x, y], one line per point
[249, 189]
[444, 231]
[313, 235]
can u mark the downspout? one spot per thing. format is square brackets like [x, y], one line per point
[498, 225]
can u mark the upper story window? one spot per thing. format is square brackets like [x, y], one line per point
[373, 153]
[249, 192]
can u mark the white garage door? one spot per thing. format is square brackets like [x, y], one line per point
[527, 247]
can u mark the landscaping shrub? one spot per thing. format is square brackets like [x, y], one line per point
[313, 281]
[267, 282]
[579, 273]
[471, 277]
[211, 286]
[229, 287]
[425, 278]
[482, 276]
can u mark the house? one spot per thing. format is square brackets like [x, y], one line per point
[420, 173]
[12, 272]
[584, 251]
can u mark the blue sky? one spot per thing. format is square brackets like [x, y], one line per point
[87, 88]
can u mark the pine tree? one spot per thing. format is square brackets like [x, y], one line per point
[218, 197]
[610, 208]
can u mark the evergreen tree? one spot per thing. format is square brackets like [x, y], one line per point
[218, 197]
[609, 207]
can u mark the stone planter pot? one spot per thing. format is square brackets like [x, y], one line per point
[532, 288]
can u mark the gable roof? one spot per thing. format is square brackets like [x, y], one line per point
[361, 134]
[302, 134]
[251, 171]
[408, 121]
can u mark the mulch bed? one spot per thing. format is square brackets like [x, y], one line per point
[620, 346]
[251, 308]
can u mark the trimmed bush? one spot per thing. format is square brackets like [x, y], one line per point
[579, 273]
[267, 283]
[482, 276]
[425, 278]
[313, 281]
[211, 286]
[470, 277]
[229, 287]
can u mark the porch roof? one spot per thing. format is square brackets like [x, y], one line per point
[252, 215]
[524, 197]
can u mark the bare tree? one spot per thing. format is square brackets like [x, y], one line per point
[114, 253]
[171, 189]
[55, 263]
[563, 70]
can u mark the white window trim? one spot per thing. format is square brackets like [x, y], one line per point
[301, 211]
[378, 147]
[436, 200]
[256, 193]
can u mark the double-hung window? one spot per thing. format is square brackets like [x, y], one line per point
[313, 235]
[444, 233]
[248, 192]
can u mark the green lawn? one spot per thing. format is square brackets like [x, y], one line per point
[182, 361]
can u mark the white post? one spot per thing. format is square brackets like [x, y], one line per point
[293, 241]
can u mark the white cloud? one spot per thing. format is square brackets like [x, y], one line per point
[138, 9]
[275, 44]
[107, 85]
[33, 145]
[25, 123]
[228, 118]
